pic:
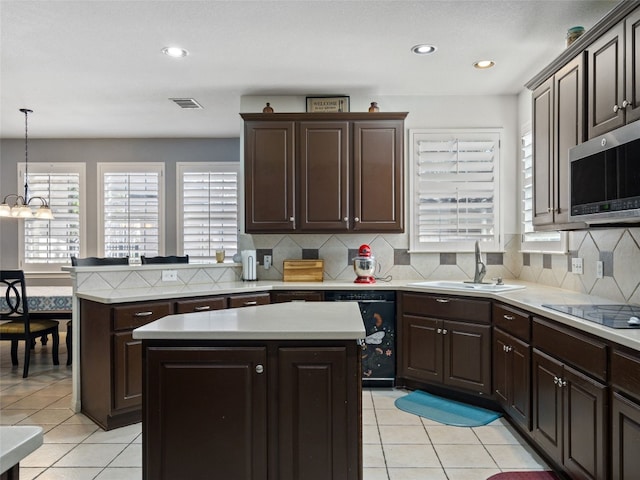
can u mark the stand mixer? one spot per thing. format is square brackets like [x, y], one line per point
[364, 265]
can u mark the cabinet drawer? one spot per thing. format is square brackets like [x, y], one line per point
[443, 306]
[512, 321]
[236, 301]
[578, 350]
[201, 304]
[297, 296]
[126, 317]
[625, 372]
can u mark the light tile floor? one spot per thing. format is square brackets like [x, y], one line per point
[397, 445]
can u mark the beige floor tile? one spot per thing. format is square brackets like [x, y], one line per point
[117, 435]
[405, 434]
[428, 422]
[53, 417]
[375, 474]
[470, 473]
[372, 456]
[93, 455]
[497, 435]
[370, 434]
[64, 402]
[445, 434]
[6, 400]
[29, 473]
[465, 456]
[385, 399]
[417, 474]
[130, 457]
[369, 417]
[515, 456]
[12, 417]
[69, 433]
[47, 455]
[120, 474]
[78, 419]
[396, 417]
[410, 456]
[70, 473]
[367, 401]
[33, 402]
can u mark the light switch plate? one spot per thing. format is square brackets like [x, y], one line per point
[576, 266]
[267, 262]
[169, 275]
[599, 269]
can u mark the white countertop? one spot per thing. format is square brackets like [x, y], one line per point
[16, 443]
[279, 321]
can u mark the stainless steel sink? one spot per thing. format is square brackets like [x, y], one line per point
[464, 286]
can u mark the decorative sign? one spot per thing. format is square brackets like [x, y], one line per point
[327, 104]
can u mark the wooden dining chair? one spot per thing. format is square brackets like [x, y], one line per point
[167, 259]
[18, 325]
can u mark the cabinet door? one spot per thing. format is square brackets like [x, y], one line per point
[269, 176]
[547, 404]
[422, 348]
[625, 438]
[632, 65]
[297, 296]
[323, 161]
[543, 138]
[249, 300]
[201, 304]
[605, 63]
[467, 356]
[318, 416]
[127, 371]
[569, 131]
[585, 425]
[520, 382]
[230, 441]
[378, 176]
[501, 368]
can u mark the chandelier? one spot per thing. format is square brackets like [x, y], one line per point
[20, 206]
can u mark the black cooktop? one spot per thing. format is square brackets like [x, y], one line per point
[614, 316]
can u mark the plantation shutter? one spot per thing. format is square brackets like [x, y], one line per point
[456, 190]
[131, 213]
[53, 241]
[210, 212]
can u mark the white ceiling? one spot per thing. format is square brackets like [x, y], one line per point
[93, 68]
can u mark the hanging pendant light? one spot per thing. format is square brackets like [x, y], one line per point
[21, 206]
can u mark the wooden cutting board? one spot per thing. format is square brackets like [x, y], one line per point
[303, 271]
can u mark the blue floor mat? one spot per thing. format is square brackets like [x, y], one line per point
[444, 410]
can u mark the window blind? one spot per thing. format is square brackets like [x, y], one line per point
[131, 213]
[456, 190]
[209, 213]
[528, 233]
[54, 241]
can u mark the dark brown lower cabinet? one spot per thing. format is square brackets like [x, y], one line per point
[569, 417]
[511, 376]
[252, 411]
[456, 354]
[625, 438]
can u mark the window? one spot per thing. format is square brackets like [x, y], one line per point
[132, 209]
[45, 245]
[544, 241]
[455, 190]
[207, 209]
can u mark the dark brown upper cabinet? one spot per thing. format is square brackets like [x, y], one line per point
[311, 172]
[613, 64]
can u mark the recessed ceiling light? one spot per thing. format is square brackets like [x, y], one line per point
[175, 52]
[424, 49]
[482, 64]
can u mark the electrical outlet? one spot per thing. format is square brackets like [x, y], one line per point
[267, 262]
[169, 275]
[576, 266]
[599, 269]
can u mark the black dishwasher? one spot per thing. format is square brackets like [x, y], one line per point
[378, 310]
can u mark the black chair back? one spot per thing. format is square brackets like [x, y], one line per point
[15, 305]
[98, 261]
[168, 259]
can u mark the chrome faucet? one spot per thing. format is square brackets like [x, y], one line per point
[481, 268]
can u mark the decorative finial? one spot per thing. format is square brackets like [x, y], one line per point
[267, 109]
[374, 107]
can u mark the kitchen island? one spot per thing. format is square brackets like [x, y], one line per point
[270, 391]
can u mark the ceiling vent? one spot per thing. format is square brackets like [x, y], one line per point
[189, 103]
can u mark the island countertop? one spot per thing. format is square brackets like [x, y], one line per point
[281, 321]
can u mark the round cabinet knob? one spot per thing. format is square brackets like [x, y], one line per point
[444, 331]
[345, 219]
[259, 369]
[291, 219]
[439, 330]
[626, 103]
[356, 219]
[616, 108]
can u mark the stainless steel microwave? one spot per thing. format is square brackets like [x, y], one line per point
[604, 179]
